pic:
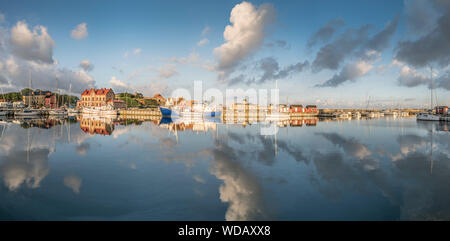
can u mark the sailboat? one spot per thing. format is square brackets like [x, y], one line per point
[71, 111]
[3, 112]
[57, 111]
[277, 112]
[429, 116]
[28, 111]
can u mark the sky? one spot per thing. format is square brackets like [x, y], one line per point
[329, 53]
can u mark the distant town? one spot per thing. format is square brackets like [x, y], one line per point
[105, 102]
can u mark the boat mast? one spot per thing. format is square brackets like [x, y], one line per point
[70, 94]
[31, 91]
[57, 98]
[431, 88]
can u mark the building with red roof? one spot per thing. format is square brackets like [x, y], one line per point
[96, 97]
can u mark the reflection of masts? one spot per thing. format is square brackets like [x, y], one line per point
[276, 144]
[3, 132]
[431, 152]
[28, 144]
[68, 132]
[176, 133]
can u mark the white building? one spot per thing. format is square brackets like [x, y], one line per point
[4, 104]
[18, 104]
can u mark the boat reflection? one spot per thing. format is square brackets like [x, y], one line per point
[434, 125]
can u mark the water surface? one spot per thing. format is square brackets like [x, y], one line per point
[91, 169]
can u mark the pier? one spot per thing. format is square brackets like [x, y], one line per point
[129, 113]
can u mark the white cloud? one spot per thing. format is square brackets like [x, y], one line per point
[192, 58]
[244, 36]
[11, 66]
[137, 51]
[411, 77]
[80, 31]
[350, 72]
[202, 42]
[240, 188]
[134, 51]
[17, 74]
[396, 63]
[73, 182]
[86, 65]
[16, 170]
[205, 30]
[147, 90]
[167, 71]
[119, 85]
[36, 45]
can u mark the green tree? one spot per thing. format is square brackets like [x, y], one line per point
[26, 91]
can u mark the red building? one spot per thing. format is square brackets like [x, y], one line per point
[50, 101]
[296, 109]
[441, 110]
[311, 109]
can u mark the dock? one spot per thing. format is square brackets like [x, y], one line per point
[129, 113]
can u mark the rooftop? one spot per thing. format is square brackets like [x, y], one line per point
[103, 91]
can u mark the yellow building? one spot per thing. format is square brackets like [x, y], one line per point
[96, 126]
[96, 97]
[35, 98]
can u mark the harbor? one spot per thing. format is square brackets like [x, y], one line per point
[141, 149]
[206, 115]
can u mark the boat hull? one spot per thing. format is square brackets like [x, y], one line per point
[99, 112]
[168, 112]
[57, 113]
[26, 113]
[427, 117]
[212, 114]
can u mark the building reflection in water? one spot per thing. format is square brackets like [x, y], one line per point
[409, 167]
[96, 125]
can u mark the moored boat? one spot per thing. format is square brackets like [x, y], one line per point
[168, 112]
[429, 116]
[424, 116]
[58, 112]
[100, 111]
[27, 112]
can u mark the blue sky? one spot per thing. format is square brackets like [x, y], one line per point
[145, 46]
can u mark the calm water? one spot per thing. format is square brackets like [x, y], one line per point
[88, 169]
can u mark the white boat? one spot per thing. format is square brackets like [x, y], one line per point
[73, 111]
[429, 116]
[343, 115]
[58, 112]
[27, 112]
[390, 113]
[100, 111]
[424, 116]
[356, 115]
[369, 114]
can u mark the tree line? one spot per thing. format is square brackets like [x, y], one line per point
[18, 96]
